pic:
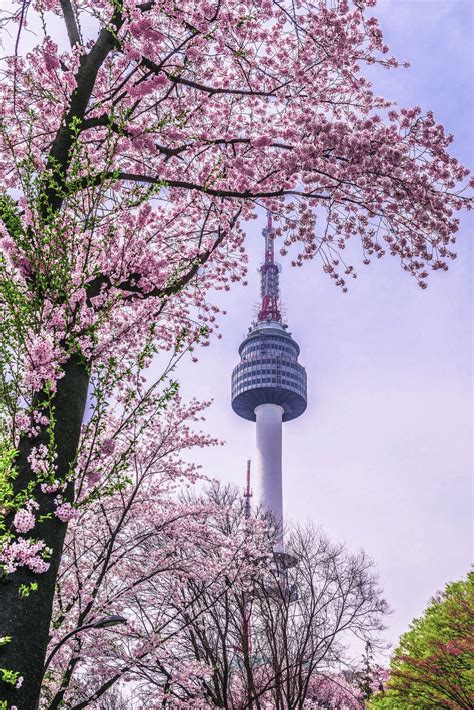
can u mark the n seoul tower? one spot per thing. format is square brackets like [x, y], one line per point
[269, 384]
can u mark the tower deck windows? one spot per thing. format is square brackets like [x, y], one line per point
[269, 369]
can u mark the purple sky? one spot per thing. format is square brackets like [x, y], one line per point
[382, 458]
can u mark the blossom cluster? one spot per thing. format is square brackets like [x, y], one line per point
[24, 519]
[24, 553]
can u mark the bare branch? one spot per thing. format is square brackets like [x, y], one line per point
[216, 192]
[70, 22]
[176, 79]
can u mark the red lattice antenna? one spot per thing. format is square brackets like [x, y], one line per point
[269, 276]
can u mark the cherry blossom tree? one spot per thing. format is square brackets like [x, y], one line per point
[136, 139]
[130, 552]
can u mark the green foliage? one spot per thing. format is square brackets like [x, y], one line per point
[7, 474]
[8, 676]
[9, 216]
[10, 502]
[25, 590]
[433, 666]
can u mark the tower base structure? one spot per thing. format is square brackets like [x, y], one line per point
[269, 464]
[269, 485]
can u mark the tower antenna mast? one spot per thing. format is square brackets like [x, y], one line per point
[269, 279]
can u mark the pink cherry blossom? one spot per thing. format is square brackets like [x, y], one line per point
[65, 512]
[24, 521]
[24, 552]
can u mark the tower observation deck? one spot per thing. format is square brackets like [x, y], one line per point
[269, 384]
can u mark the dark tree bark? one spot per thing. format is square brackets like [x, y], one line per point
[27, 618]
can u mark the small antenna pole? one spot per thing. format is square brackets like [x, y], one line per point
[248, 493]
[247, 610]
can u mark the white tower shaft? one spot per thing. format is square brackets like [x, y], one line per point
[269, 470]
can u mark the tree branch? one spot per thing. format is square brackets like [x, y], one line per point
[60, 154]
[149, 64]
[214, 192]
[104, 121]
[70, 22]
[131, 283]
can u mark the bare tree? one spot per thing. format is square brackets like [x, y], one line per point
[276, 638]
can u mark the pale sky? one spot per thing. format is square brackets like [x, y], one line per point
[382, 457]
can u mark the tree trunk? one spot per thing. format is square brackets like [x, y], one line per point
[27, 618]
